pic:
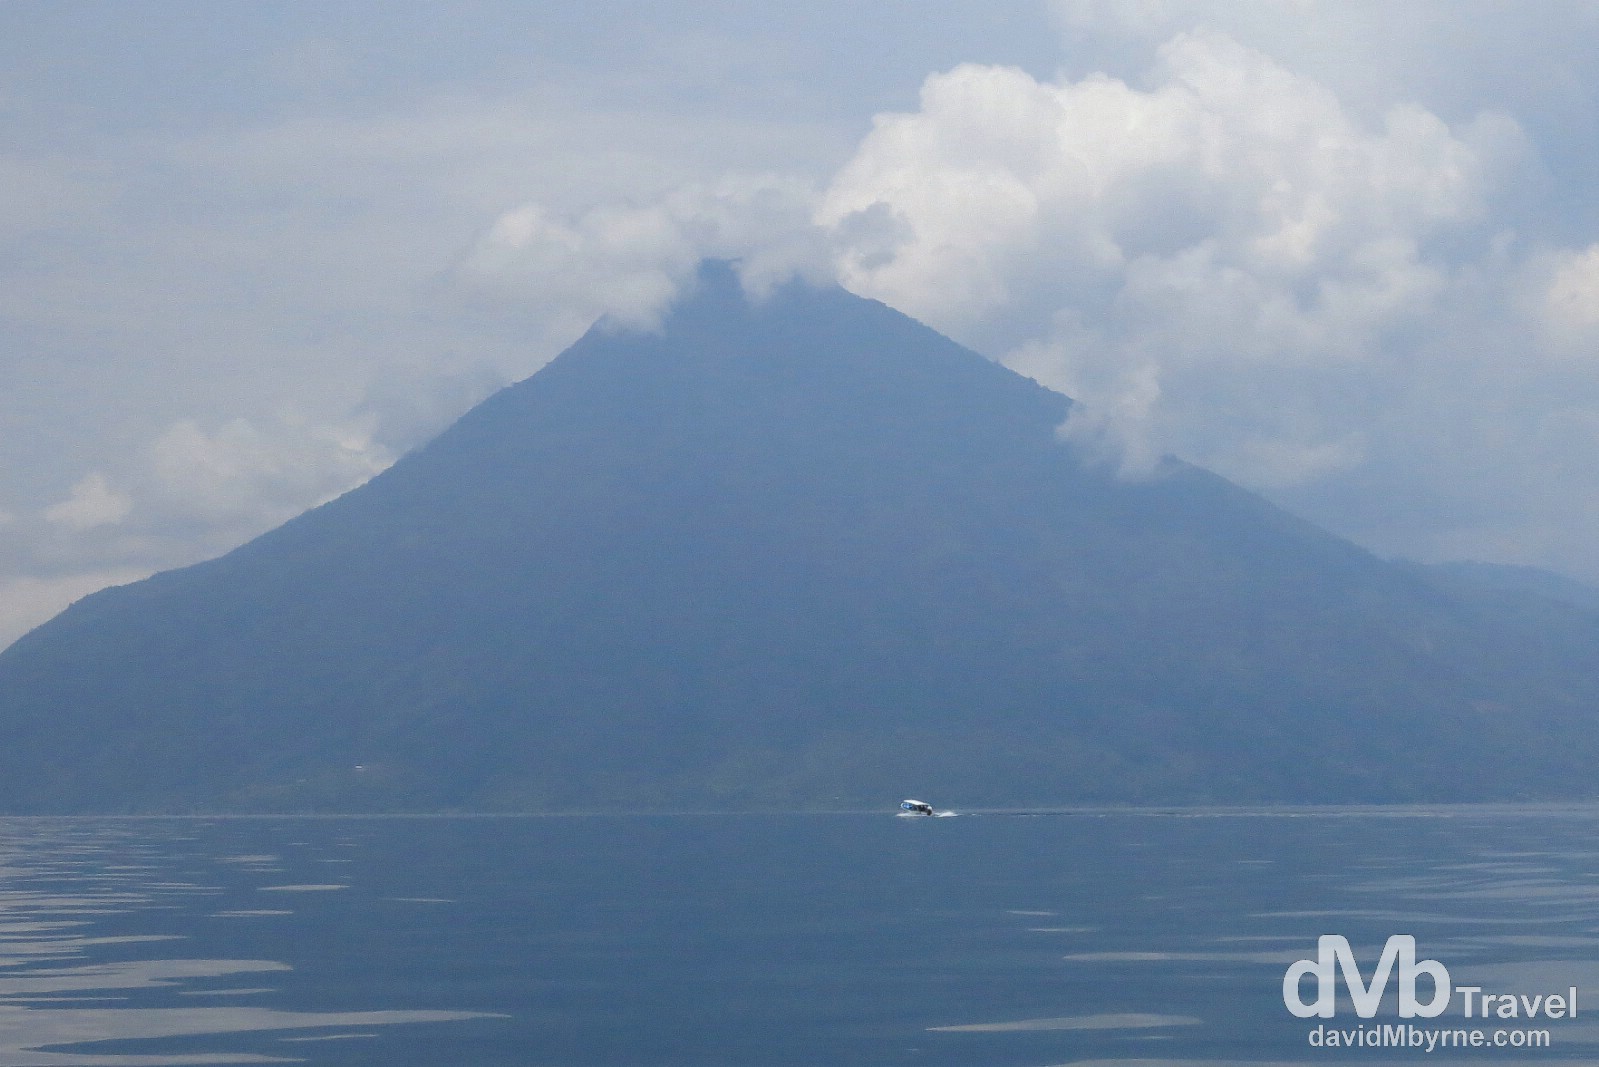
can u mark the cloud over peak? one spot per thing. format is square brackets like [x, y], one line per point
[1220, 256]
[1261, 236]
[626, 262]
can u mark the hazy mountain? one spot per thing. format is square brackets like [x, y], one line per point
[803, 551]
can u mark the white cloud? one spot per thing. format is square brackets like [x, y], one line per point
[1569, 304]
[92, 503]
[1116, 431]
[1278, 464]
[1167, 254]
[191, 492]
[404, 412]
[241, 475]
[1450, 54]
[626, 262]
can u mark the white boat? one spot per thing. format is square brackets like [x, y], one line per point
[916, 807]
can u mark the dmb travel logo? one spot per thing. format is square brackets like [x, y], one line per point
[1473, 1017]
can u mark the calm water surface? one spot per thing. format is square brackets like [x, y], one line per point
[769, 941]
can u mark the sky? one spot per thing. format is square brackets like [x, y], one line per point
[1344, 252]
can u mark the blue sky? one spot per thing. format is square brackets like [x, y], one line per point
[1345, 253]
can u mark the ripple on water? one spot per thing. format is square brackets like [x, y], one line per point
[316, 887]
[1117, 1021]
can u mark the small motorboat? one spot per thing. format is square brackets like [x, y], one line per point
[916, 807]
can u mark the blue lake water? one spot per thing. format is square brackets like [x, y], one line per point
[768, 941]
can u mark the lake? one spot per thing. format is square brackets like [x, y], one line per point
[993, 939]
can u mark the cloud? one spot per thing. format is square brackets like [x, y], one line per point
[191, 492]
[404, 412]
[92, 503]
[1569, 298]
[627, 262]
[1450, 54]
[1373, 298]
[188, 493]
[242, 475]
[1186, 259]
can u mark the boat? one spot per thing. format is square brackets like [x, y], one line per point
[916, 807]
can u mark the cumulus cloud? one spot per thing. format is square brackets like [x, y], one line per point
[1568, 298]
[92, 503]
[626, 262]
[1165, 253]
[191, 492]
[188, 493]
[240, 474]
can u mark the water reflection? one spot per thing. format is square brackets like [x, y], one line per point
[73, 994]
[1104, 939]
[1124, 1021]
[1218, 918]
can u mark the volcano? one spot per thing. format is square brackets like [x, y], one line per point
[798, 551]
